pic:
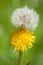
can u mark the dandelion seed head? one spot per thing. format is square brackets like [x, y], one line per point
[25, 17]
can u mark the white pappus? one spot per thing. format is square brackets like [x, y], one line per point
[25, 17]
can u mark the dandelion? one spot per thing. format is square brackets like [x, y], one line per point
[22, 39]
[26, 17]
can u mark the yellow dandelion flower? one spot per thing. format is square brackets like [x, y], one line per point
[22, 39]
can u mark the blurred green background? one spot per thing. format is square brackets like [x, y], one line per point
[34, 56]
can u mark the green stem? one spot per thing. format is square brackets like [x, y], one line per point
[20, 58]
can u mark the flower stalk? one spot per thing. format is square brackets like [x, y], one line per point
[20, 58]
